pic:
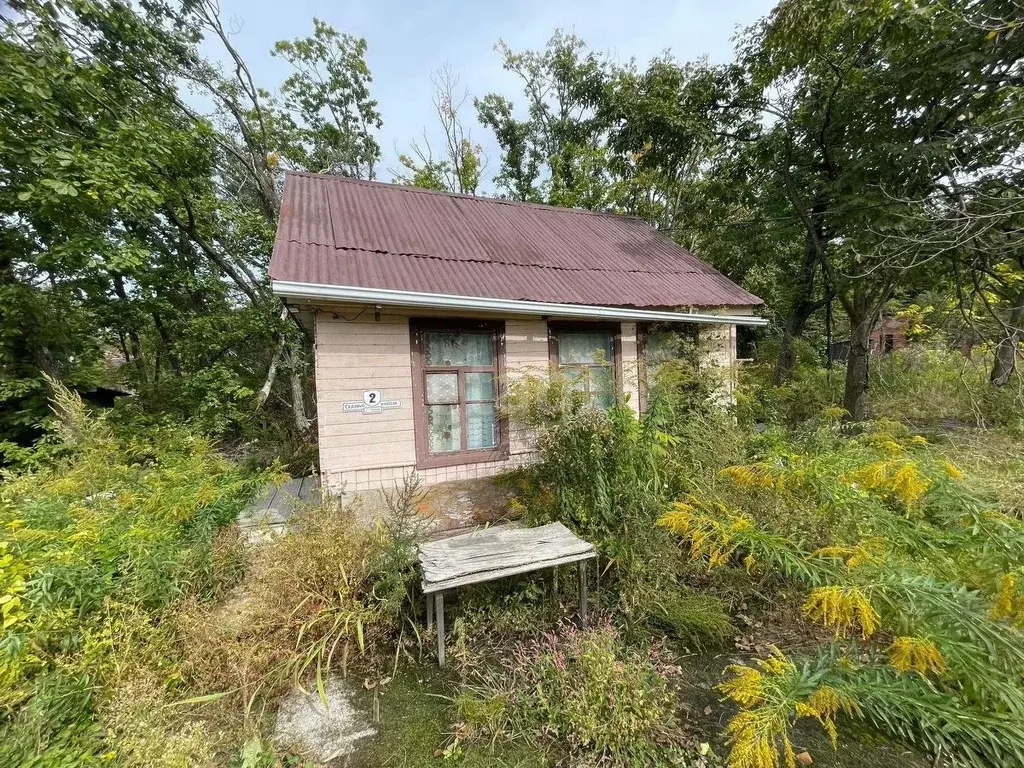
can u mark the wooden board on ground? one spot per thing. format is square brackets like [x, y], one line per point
[494, 553]
[279, 502]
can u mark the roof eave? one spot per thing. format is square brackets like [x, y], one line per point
[317, 291]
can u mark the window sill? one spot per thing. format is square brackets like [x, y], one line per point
[463, 457]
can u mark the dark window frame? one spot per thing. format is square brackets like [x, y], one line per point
[424, 458]
[615, 329]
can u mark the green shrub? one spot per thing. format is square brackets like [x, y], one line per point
[922, 384]
[583, 691]
[809, 390]
[608, 475]
[931, 384]
[97, 539]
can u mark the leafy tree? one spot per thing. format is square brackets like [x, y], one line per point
[137, 228]
[329, 94]
[558, 154]
[856, 129]
[89, 156]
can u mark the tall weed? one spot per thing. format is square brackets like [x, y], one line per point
[326, 594]
[95, 540]
[609, 474]
[916, 578]
[583, 691]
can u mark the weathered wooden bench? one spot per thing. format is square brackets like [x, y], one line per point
[494, 553]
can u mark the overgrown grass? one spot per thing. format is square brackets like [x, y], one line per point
[101, 536]
[925, 385]
[326, 595]
[585, 692]
[930, 384]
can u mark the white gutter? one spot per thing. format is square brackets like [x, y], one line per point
[382, 296]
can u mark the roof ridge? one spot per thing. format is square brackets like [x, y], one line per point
[463, 196]
[531, 265]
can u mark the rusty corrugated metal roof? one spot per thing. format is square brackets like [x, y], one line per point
[338, 231]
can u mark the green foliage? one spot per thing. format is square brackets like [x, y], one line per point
[584, 691]
[807, 392]
[914, 575]
[95, 542]
[329, 93]
[928, 384]
[609, 474]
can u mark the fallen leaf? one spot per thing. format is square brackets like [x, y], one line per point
[804, 758]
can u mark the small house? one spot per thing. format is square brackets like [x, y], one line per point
[425, 306]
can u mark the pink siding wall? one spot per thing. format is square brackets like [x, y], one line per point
[360, 452]
[368, 451]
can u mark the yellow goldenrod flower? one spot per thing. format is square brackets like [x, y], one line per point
[842, 609]
[749, 476]
[908, 484]
[915, 653]
[951, 469]
[1005, 597]
[746, 687]
[710, 533]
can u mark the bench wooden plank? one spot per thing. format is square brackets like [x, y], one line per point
[495, 553]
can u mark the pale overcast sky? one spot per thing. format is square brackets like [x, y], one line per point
[408, 40]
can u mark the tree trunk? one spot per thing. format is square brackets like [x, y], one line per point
[133, 336]
[1007, 349]
[302, 423]
[801, 310]
[861, 323]
[268, 383]
[165, 342]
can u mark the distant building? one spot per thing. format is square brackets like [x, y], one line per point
[888, 335]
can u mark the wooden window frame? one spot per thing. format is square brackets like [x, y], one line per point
[424, 458]
[615, 329]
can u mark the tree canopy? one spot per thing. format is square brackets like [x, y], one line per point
[851, 155]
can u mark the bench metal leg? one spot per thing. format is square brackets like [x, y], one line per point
[440, 629]
[430, 611]
[583, 592]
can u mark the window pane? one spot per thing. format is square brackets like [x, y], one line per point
[602, 386]
[577, 378]
[444, 429]
[442, 387]
[481, 425]
[479, 386]
[581, 347]
[443, 348]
